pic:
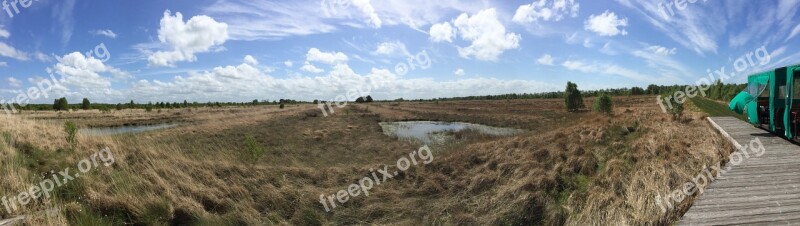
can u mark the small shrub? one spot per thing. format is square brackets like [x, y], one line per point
[254, 149]
[677, 108]
[282, 106]
[604, 104]
[71, 130]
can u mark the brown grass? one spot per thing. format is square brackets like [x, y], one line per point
[576, 168]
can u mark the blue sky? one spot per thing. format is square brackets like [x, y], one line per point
[231, 50]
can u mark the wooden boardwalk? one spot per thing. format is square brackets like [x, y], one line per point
[762, 190]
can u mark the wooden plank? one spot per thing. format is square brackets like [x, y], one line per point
[760, 190]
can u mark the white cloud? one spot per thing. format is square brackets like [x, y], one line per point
[258, 20]
[392, 48]
[442, 32]
[107, 33]
[660, 59]
[367, 9]
[4, 33]
[694, 27]
[546, 10]
[576, 66]
[308, 67]
[85, 76]
[14, 82]
[545, 60]
[794, 33]
[9, 51]
[288, 63]
[199, 34]
[488, 36]
[662, 51]
[250, 60]
[606, 24]
[459, 72]
[315, 55]
[42, 57]
[610, 69]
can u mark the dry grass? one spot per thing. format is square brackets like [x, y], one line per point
[569, 169]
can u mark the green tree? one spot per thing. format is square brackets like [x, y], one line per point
[637, 91]
[368, 99]
[61, 104]
[653, 89]
[86, 105]
[573, 98]
[604, 104]
[119, 107]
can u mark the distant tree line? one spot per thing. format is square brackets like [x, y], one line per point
[61, 104]
[717, 91]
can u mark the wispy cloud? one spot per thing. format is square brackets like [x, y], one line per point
[106, 32]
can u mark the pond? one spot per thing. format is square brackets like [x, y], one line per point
[107, 131]
[430, 132]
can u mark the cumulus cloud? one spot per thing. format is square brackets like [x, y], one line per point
[85, 76]
[250, 60]
[546, 10]
[488, 36]
[545, 60]
[606, 24]
[197, 35]
[315, 55]
[288, 63]
[308, 67]
[442, 32]
[106, 32]
[459, 72]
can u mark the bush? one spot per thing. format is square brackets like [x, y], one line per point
[71, 130]
[282, 106]
[573, 98]
[254, 149]
[604, 104]
[677, 108]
